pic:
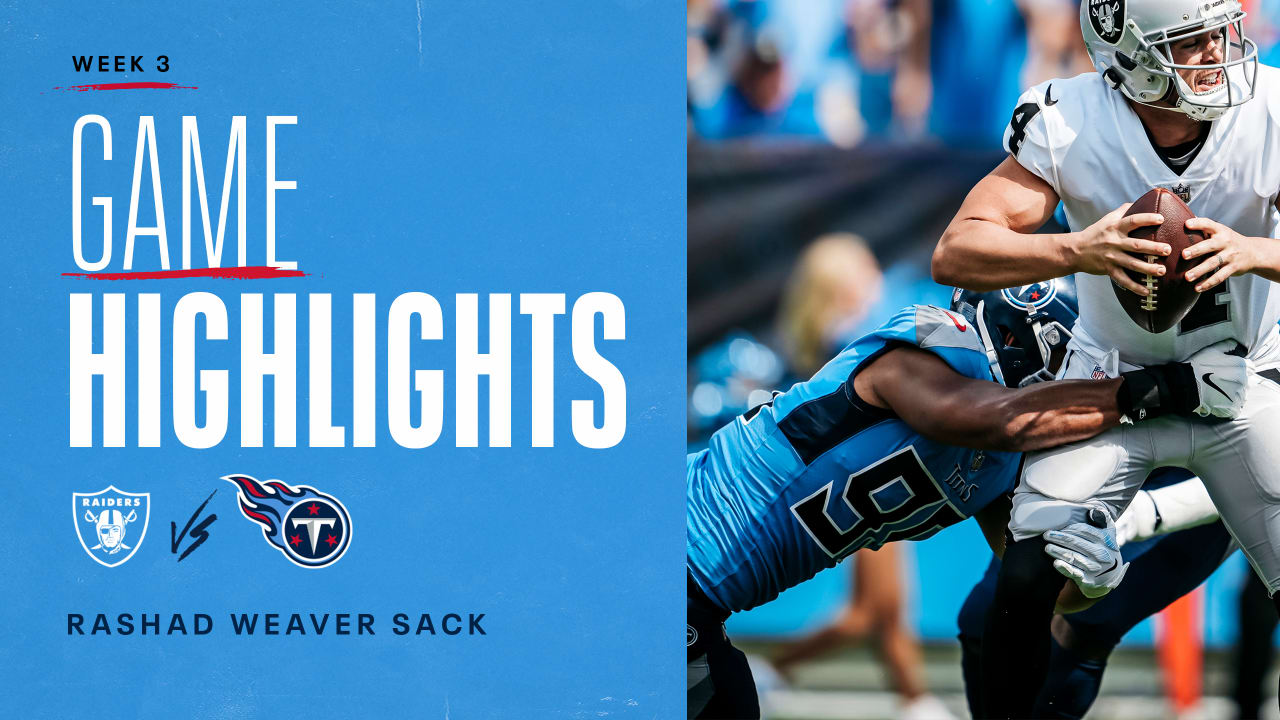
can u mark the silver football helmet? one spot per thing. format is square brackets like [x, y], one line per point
[1131, 44]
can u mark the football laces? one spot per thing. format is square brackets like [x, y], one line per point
[1149, 302]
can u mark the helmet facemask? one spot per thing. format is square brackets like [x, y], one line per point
[1237, 73]
[1051, 341]
[1138, 57]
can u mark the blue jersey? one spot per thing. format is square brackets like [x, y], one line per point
[798, 484]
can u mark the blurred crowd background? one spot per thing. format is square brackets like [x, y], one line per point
[829, 143]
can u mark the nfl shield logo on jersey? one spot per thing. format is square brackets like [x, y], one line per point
[1182, 191]
[111, 523]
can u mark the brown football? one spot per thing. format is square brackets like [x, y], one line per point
[1172, 296]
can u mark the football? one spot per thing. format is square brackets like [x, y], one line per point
[1171, 296]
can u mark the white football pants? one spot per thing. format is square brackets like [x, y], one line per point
[1238, 460]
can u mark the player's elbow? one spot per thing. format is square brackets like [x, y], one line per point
[950, 264]
[941, 264]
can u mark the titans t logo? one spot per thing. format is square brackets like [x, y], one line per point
[310, 528]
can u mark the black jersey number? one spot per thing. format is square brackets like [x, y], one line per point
[1018, 125]
[903, 467]
[1211, 308]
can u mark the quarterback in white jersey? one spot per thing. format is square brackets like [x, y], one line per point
[1084, 140]
[1180, 102]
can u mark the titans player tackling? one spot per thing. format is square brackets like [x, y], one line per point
[901, 434]
[1179, 101]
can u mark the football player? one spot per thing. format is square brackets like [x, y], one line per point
[900, 435]
[1172, 105]
[1170, 549]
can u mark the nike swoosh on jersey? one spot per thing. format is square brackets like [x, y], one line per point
[1047, 99]
[1214, 385]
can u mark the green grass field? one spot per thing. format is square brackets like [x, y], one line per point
[849, 685]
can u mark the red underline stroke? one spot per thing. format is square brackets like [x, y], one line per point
[230, 273]
[128, 86]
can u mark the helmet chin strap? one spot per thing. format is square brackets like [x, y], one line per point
[992, 358]
[1171, 99]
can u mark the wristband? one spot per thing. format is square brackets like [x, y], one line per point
[1157, 390]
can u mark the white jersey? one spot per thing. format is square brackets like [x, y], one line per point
[1084, 139]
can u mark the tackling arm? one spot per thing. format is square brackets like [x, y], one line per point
[944, 405]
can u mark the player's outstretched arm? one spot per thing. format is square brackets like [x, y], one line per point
[991, 242]
[948, 407]
[943, 405]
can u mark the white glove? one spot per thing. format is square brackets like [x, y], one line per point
[1221, 380]
[1138, 521]
[1088, 554]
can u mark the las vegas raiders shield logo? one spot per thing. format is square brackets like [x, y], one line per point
[111, 523]
[1107, 18]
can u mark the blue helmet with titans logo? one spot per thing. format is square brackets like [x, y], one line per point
[1024, 329]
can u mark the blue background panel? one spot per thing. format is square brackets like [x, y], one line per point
[440, 147]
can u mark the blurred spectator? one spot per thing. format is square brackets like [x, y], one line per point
[840, 71]
[876, 610]
[835, 293]
[771, 69]
[975, 53]
[1055, 48]
[729, 378]
[834, 283]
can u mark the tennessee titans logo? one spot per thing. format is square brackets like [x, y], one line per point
[310, 528]
[1031, 297]
[110, 517]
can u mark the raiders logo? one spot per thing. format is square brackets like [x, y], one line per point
[111, 516]
[1107, 18]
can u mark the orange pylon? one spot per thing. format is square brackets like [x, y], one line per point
[1180, 649]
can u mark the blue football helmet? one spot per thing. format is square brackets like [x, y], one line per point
[1025, 329]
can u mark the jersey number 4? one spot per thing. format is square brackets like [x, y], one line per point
[1018, 125]
[859, 494]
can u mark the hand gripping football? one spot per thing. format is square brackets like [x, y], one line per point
[1171, 296]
